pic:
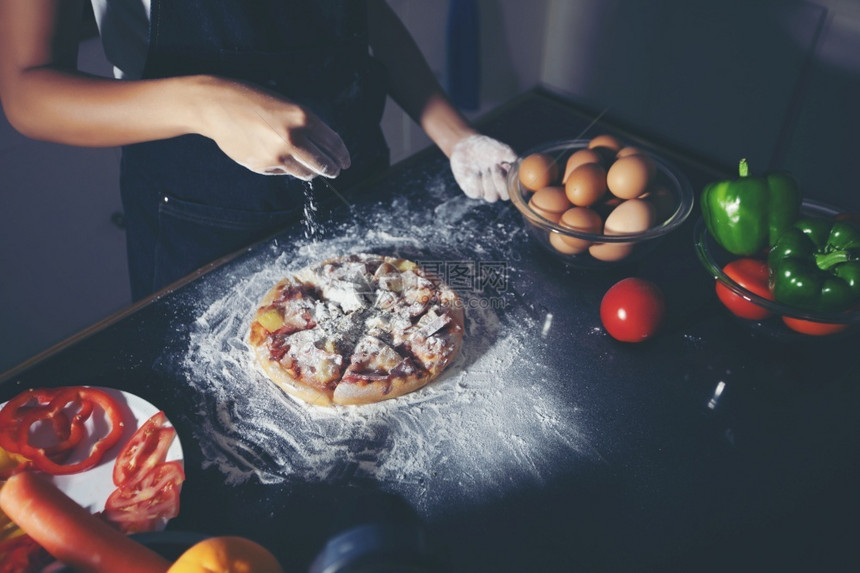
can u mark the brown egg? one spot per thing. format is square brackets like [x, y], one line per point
[557, 242]
[550, 203]
[628, 150]
[663, 200]
[607, 141]
[631, 216]
[586, 184]
[577, 219]
[629, 176]
[537, 171]
[578, 158]
[606, 146]
[610, 252]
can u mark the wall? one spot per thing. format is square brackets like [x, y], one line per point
[62, 258]
[511, 47]
[773, 80]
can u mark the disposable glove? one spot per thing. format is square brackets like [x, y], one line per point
[480, 165]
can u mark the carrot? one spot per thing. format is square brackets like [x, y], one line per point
[70, 533]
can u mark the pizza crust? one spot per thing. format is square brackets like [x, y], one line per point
[356, 329]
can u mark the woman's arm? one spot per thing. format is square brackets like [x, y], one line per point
[480, 164]
[411, 81]
[44, 96]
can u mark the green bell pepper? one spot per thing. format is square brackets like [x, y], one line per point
[747, 215]
[815, 265]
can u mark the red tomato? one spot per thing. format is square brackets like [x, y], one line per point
[154, 497]
[632, 310]
[751, 274]
[146, 449]
[813, 328]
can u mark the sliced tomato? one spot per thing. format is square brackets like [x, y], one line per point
[154, 498]
[146, 449]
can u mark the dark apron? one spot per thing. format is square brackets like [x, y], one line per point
[186, 203]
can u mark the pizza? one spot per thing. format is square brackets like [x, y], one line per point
[356, 329]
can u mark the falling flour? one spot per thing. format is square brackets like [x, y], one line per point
[483, 428]
[309, 212]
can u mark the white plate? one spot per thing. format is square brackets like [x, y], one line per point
[91, 488]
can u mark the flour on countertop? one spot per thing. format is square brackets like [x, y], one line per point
[483, 428]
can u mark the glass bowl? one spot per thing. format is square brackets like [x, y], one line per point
[669, 189]
[780, 319]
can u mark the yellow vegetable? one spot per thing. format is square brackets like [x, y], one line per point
[226, 554]
[271, 319]
[9, 461]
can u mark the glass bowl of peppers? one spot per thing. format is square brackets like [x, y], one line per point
[789, 270]
[600, 202]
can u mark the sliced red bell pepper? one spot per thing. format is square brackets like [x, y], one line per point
[68, 432]
[13, 410]
[85, 398]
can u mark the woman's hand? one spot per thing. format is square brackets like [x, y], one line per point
[480, 165]
[268, 134]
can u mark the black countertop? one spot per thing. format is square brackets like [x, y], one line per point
[547, 445]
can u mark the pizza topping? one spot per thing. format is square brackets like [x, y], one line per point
[293, 315]
[386, 299]
[350, 296]
[292, 290]
[364, 376]
[388, 278]
[420, 291]
[345, 284]
[431, 322]
[404, 368]
[312, 358]
[375, 360]
[271, 319]
[291, 310]
[338, 325]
